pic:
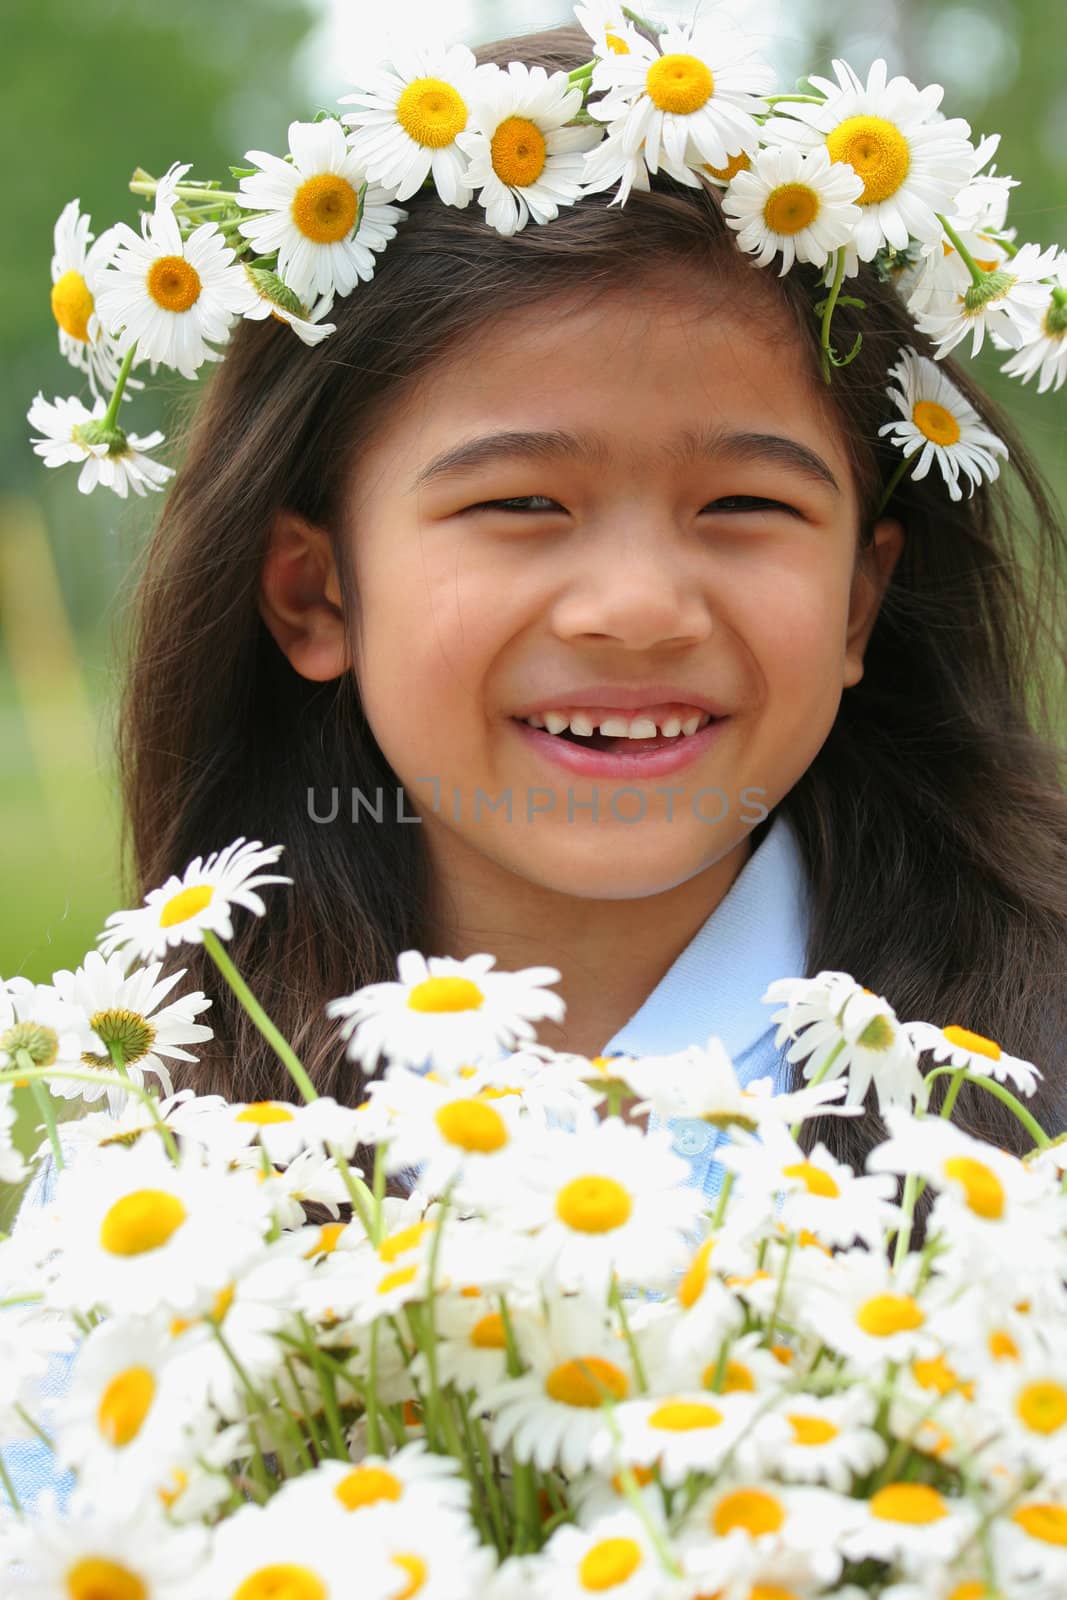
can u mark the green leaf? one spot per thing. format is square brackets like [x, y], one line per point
[244, 172]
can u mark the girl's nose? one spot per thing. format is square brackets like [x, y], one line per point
[639, 594]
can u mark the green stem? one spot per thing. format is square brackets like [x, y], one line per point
[374, 1429]
[584, 71]
[638, 1504]
[901, 472]
[108, 419]
[9, 1489]
[615, 1299]
[1010, 249]
[780, 1291]
[785, 99]
[818, 1077]
[828, 313]
[965, 255]
[328, 1391]
[360, 1196]
[950, 1099]
[34, 1427]
[724, 1199]
[142, 184]
[118, 1059]
[1005, 1096]
[280, 1045]
[903, 1240]
[641, 22]
[44, 1105]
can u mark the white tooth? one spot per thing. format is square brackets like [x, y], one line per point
[671, 728]
[581, 724]
[555, 722]
[642, 728]
[535, 722]
[691, 724]
[615, 727]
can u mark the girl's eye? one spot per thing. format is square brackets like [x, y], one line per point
[520, 502]
[748, 502]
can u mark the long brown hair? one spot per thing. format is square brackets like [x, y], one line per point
[933, 821]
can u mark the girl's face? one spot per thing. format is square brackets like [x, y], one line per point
[639, 504]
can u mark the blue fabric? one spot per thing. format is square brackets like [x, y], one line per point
[758, 932]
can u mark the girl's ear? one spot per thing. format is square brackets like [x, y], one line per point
[300, 598]
[869, 583]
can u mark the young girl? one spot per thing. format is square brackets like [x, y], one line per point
[593, 468]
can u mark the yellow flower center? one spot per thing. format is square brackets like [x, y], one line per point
[936, 422]
[132, 1032]
[221, 1304]
[936, 1374]
[366, 1486]
[583, 1381]
[397, 1280]
[814, 1179]
[124, 1405]
[179, 1482]
[608, 1563]
[1002, 1346]
[431, 112]
[679, 84]
[970, 1589]
[1045, 1522]
[974, 1042]
[914, 1503]
[518, 152]
[754, 1510]
[878, 1034]
[472, 1125]
[72, 305]
[325, 208]
[696, 1276]
[185, 904]
[790, 208]
[1042, 1406]
[593, 1204]
[415, 1569]
[142, 1221]
[617, 46]
[282, 1581]
[174, 283]
[445, 994]
[886, 1314]
[771, 1591]
[406, 1239]
[96, 1578]
[983, 1192]
[488, 1332]
[265, 1112]
[878, 152]
[808, 1430]
[742, 162]
[326, 1242]
[737, 1379]
[682, 1416]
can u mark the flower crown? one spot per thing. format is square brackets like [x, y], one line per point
[848, 172]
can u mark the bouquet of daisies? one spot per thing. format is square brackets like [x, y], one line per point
[479, 1337]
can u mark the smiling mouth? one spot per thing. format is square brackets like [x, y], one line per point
[621, 744]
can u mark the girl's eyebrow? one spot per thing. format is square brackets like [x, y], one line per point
[690, 446]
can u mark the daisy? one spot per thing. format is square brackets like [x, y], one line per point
[769, 1518]
[682, 1432]
[911, 1523]
[76, 267]
[1027, 1403]
[199, 901]
[700, 1081]
[121, 465]
[127, 1014]
[820, 1194]
[972, 1052]
[1008, 303]
[35, 1022]
[698, 86]
[445, 1011]
[277, 300]
[1030, 1541]
[608, 163]
[171, 298]
[873, 1317]
[831, 1440]
[936, 424]
[795, 203]
[446, 1130]
[278, 1127]
[413, 1478]
[613, 1556]
[913, 162]
[318, 211]
[610, 29]
[982, 206]
[840, 1027]
[91, 1550]
[1044, 351]
[138, 1233]
[606, 1200]
[125, 1425]
[288, 1547]
[552, 1413]
[523, 162]
[410, 116]
[471, 1341]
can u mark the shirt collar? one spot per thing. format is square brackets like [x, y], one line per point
[757, 933]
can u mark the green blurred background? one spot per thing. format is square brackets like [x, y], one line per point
[96, 87]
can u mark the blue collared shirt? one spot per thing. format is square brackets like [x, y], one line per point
[757, 932]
